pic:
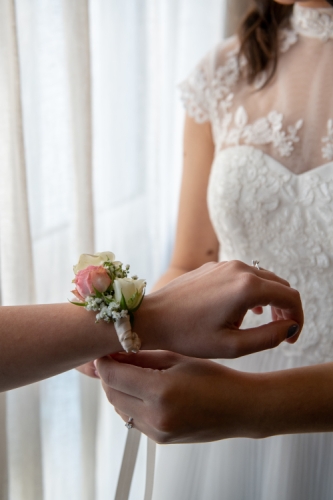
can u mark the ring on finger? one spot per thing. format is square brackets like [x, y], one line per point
[129, 424]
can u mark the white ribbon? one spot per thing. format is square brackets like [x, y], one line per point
[128, 339]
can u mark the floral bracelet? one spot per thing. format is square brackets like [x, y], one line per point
[102, 285]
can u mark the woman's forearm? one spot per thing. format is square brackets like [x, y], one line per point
[293, 401]
[193, 315]
[43, 340]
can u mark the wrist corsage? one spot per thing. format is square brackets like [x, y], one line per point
[102, 285]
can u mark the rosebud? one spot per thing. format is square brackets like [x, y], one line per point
[132, 291]
[90, 279]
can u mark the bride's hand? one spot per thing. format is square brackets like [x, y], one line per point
[176, 399]
[200, 313]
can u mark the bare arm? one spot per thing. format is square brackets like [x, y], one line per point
[191, 400]
[44, 340]
[295, 401]
[196, 242]
[186, 316]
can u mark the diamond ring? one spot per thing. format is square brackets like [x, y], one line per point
[255, 263]
[129, 424]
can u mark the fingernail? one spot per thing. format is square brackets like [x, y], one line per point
[293, 329]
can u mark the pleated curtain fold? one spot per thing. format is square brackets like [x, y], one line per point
[90, 159]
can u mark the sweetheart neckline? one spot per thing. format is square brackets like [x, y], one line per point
[276, 163]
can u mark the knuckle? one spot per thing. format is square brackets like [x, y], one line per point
[160, 422]
[172, 357]
[162, 438]
[248, 282]
[162, 419]
[272, 341]
[209, 265]
[237, 265]
[296, 294]
[276, 340]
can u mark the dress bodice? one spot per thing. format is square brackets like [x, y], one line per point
[270, 192]
[261, 210]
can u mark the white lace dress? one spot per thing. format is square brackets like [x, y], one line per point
[270, 198]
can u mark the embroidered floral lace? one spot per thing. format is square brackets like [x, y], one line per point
[271, 186]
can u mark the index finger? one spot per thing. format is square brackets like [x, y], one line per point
[269, 275]
[275, 294]
[126, 378]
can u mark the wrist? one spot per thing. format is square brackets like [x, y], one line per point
[259, 412]
[147, 324]
[244, 407]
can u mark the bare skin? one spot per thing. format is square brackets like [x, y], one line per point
[196, 241]
[198, 314]
[176, 399]
[311, 3]
[162, 393]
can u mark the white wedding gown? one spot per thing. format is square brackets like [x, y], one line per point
[270, 198]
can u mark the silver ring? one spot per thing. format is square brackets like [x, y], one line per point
[255, 263]
[129, 424]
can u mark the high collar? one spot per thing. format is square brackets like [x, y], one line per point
[312, 22]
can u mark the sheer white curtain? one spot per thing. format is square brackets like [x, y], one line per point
[90, 159]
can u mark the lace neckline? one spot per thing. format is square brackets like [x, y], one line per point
[313, 22]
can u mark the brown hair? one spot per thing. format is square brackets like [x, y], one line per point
[258, 34]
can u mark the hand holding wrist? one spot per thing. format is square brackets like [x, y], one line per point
[189, 400]
[147, 322]
[200, 313]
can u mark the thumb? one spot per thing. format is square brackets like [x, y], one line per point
[264, 337]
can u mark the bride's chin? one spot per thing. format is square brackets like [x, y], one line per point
[307, 3]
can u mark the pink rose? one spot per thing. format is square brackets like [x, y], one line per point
[90, 279]
[77, 295]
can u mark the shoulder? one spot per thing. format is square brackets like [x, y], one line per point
[217, 72]
[220, 55]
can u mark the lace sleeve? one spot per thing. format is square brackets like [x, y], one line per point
[195, 94]
[201, 90]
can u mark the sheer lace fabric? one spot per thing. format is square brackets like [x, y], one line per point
[271, 186]
[291, 118]
[270, 198]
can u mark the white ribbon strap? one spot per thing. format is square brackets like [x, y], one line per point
[128, 339]
[150, 471]
[128, 465]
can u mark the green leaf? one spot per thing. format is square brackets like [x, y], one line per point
[98, 294]
[139, 304]
[123, 304]
[82, 304]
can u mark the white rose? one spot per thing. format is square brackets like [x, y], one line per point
[132, 291]
[97, 259]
